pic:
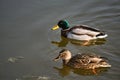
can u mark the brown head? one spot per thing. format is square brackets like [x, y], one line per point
[65, 55]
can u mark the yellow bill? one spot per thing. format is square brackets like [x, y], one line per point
[55, 27]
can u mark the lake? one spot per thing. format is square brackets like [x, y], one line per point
[28, 45]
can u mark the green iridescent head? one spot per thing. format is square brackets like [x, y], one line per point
[61, 24]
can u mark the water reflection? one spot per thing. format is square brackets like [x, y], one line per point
[64, 41]
[32, 77]
[15, 59]
[66, 70]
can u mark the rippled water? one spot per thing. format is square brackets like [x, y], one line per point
[28, 46]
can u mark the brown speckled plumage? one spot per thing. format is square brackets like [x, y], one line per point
[86, 61]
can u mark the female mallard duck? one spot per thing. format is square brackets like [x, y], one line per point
[85, 61]
[80, 32]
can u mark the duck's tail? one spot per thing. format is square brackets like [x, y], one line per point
[105, 64]
[102, 35]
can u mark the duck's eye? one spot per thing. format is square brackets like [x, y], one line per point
[61, 23]
[62, 55]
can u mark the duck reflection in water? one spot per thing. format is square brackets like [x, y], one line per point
[66, 70]
[84, 64]
[64, 41]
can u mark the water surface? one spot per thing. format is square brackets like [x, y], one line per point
[28, 46]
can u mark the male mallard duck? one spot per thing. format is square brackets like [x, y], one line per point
[85, 61]
[81, 32]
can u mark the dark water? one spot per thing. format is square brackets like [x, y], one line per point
[28, 46]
